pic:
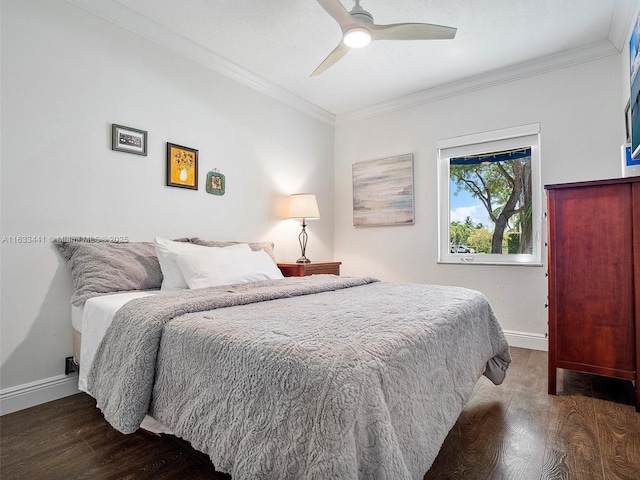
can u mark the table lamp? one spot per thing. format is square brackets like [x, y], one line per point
[303, 206]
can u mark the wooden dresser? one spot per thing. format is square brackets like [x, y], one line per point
[594, 279]
[306, 269]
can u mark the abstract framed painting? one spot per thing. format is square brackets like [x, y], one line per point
[383, 192]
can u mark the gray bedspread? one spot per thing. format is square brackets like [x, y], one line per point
[303, 378]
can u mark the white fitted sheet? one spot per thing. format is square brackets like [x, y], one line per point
[76, 317]
[97, 314]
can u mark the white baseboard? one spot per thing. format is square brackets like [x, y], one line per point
[533, 341]
[35, 393]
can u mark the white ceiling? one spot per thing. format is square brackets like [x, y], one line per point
[275, 45]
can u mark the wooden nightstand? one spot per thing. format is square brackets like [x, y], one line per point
[306, 269]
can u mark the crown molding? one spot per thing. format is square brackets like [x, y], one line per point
[624, 15]
[131, 21]
[112, 11]
[549, 63]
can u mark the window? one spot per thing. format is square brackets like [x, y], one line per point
[489, 194]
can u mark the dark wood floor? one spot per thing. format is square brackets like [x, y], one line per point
[514, 431]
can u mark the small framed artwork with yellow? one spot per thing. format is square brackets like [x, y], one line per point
[182, 166]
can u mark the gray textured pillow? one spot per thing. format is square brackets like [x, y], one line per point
[106, 267]
[255, 246]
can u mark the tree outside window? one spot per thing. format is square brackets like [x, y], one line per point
[501, 181]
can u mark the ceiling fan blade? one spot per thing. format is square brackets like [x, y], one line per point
[338, 52]
[339, 13]
[411, 31]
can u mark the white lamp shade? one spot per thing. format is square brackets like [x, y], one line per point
[303, 205]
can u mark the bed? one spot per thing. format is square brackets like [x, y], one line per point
[287, 378]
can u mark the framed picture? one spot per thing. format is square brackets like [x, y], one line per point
[383, 192]
[630, 165]
[127, 139]
[215, 183]
[182, 166]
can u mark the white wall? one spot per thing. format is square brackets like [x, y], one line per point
[66, 77]
[582, 127]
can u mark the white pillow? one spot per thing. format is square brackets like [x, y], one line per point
[168, 250]
[221, 266]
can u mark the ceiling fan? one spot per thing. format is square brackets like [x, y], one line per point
[358, 30]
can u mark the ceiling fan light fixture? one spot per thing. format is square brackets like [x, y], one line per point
[357, 37]
[358, 30]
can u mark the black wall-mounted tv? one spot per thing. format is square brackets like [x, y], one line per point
[634, 99]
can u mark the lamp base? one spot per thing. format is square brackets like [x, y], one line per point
[303, 259]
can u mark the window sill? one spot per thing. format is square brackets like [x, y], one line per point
[475, 261]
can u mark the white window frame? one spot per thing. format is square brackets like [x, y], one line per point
[486, 142]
